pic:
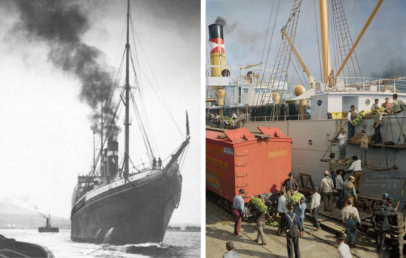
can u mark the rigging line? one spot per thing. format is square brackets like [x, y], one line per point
[317, 34]
[263, 50]
[159, 88]
[269, 50]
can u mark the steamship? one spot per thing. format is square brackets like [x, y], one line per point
[118, 203]
[313, 116]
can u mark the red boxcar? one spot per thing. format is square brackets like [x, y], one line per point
[237, 159]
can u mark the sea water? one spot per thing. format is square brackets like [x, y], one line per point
[175, 244]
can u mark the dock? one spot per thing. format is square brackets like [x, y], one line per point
[314, 244]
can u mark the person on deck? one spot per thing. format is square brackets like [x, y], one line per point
[395, 105]
[290, 185]
[350, 217]
[342, 144]
[222, 123]
[349, 190]
[364, 148]
[375, 105]
[356, 167]
[154, 163]
[343, 249]
[294, 231]
[300, 209]
[238, 211]
[381, 223]
[377, 125]
[159, 163]
[327, 188]
[386, 104]
[333, 168]
[314, 208]
[339, 187]
[231, 253]
[352, 114]
[282, 201]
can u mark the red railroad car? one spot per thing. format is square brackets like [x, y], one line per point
[238, 159]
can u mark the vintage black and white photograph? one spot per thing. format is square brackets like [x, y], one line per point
[100, 130]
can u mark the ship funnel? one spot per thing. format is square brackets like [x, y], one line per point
[112, 157]
[104, 163]
[216, 47]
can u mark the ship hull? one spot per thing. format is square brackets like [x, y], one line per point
[138, 211]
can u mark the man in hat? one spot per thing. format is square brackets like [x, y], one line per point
[342, 144]
[294, 230]
[339, 187]
[282, 201]
[364, 147]
[300, 209]
[395, 106]
[349, 191]
[343, 248]
[381, 223]
[377, 125]
[327, 188]
[238, 211]
[375, 105]
[352, 114]
[290, 185]
[333, 168]
[314, 208]
[350, 217]
[356, 167]
[231, 253]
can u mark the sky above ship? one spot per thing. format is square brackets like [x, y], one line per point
[48, 107]
[380, 51]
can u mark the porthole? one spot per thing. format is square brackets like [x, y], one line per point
[367, 102]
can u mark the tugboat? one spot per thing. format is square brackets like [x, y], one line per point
[48, 227]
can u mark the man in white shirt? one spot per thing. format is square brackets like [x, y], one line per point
[231, 253]
[342, 144]
[327, 188]
[350, 217]
[340, 188]
[343, 248]
[282, 201]
[356, 167]
[314, 208]
[352, 114]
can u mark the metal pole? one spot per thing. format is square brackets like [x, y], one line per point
[325, 51]
[127, 97]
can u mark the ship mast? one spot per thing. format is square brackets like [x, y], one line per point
[127, 98]
[325, 50]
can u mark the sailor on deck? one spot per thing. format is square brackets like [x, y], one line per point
[154, 163]
[386, 104]
[375, 105]
[377, 125]
[395, 106]
[364, 147]
[159, 163]
[352, 114]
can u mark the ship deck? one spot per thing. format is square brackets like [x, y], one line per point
[220, 227]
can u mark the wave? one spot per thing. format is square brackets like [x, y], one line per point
[156, 250]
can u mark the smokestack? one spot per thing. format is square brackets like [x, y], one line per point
[112, 157]
[104, 166]
[216, 46]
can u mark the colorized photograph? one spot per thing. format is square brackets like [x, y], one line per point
[101, 128]
[305, 120]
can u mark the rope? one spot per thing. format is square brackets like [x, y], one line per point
[383, 145]
[341, 124]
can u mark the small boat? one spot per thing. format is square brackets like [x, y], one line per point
[48, 227]
[9, 247]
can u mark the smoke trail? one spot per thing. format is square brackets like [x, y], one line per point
[61, 24]
[220, 20]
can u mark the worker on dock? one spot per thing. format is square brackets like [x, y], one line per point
[352, 114]
[350, 217]
[339, 187]
[294, 230]
[290, 185]
[260, 218]
[231, 253]
[395, 105]
[382, 204]
[389, 207]
[333, 168]
[327, 188]
[314, 208]
[356, 167]
[349, 191]
[300, 209]
[375, 105]
[342, 144]
[364, 149]
[282, 201]
[381, 223]
[343, 248]
[377, 125]
[238, 211]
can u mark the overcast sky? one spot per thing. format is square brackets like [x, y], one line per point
[380, 52]
[45, 133]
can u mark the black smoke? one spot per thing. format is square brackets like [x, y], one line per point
[220, 20]
[61, 24]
